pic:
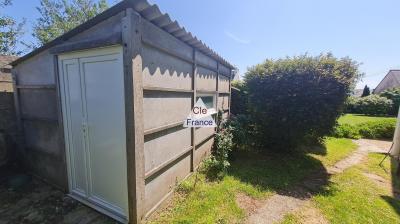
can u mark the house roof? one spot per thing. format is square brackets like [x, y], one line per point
[148, 11]
[395, 82]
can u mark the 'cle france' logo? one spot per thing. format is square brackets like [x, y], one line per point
[200, 116]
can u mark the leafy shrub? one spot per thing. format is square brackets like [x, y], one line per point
[383, 129]
[370, 105]
[347, 131]
[394, 95]
[295, 99]
[239, 98]
[242, 132]
[217, 164]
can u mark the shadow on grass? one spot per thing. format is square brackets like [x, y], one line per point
[293, 174]
[394, 201]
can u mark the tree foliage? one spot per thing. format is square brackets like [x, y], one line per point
[59, 16]
[297, 99]
[394, 95]
[239, 98]
[10, 31]
[366, 91]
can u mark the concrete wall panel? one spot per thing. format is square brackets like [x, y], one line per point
[203, 133]
[203, 151]
[43, 136]
[39, 103]
[163, 70]
[223, 102]
[224, 70]
[101, 30]
[37, 70]
[223, 84]
[206, 79]
[47, 166]
[206, 60]
[163, 108]
[157, 188]
[159, 37]
[163, 146]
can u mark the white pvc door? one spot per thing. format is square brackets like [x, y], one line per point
[92, 86]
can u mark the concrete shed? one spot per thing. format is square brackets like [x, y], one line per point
[101, 108]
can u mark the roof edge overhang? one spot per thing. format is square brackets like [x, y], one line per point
[149, 12]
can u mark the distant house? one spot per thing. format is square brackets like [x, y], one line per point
[390, 81]
[357, 92]
[5, 73]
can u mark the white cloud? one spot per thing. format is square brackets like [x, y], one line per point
[236, 38]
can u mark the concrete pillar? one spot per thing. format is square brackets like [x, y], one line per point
[396, 138]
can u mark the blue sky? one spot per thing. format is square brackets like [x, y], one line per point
[247, 32]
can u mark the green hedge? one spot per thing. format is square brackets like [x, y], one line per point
[370, 105]
[370, 130]
[296, 100]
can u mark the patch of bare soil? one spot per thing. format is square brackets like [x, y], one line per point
[382, 182]
[37, 202]
[309, 214]
[247, 203]
[348, 162]
[275, 208]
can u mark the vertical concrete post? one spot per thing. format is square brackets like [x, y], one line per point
[193, 130]
[19, 135]
[132, 45]
[60, 123]
[217, 97]
[396, 138]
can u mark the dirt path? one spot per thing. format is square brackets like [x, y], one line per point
[277, 206]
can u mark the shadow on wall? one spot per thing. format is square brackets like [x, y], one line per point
[7, 127]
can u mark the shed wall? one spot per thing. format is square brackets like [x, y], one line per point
[173, 74]
[38, 107]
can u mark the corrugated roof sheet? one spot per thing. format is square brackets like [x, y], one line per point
[150, 12]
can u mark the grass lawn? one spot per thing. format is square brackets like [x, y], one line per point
[336, 149]
[354, 119]
[258, 176]
[352, 197]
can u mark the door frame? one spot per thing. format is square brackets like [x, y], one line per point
[114, 49]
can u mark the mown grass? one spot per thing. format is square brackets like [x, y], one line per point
[336, 149]
[354, 198]
[387, 170]
[258, 176]
[354, 119]
[360, 126]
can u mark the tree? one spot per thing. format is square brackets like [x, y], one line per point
[366, 91]
[59, 16]
[10, 32]
[297, 100]
[394, 95]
